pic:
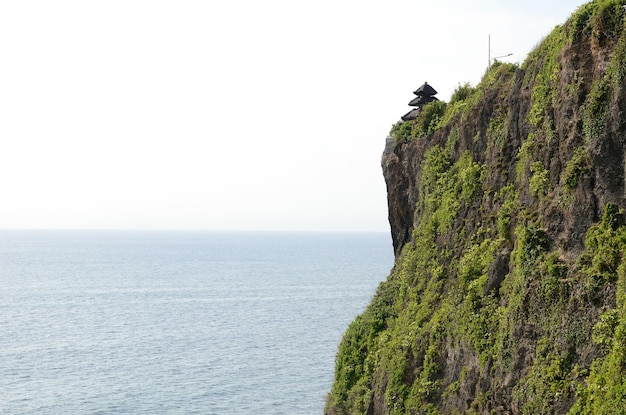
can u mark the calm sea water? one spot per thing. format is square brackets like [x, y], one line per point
[178, 323]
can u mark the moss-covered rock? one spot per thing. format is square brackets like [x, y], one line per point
[508, 294]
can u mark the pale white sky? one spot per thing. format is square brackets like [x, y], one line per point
[227, 115]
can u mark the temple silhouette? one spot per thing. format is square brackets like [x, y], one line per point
[424, 95]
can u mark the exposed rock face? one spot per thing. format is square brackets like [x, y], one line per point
[509, 290]
[400, 168]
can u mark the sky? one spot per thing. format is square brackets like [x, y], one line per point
[228, 115]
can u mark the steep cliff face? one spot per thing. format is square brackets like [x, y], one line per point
[508, 294]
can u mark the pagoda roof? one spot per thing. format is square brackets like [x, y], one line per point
[425, 90]
[422, 100]
[411, 115]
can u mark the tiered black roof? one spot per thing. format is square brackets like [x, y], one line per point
[425, 90]
[411, 115]
[422, 100]
[425, 94]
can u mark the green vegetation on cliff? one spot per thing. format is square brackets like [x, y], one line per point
[509, 293]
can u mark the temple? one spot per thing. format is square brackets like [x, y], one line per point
[424, 95]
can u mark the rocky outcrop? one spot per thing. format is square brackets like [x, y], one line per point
[508, 294]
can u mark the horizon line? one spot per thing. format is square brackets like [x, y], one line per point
[164, 230]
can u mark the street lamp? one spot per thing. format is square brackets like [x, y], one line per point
[503, 56]
[489, 54]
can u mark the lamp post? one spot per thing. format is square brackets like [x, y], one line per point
[503, 56]
[489, 54]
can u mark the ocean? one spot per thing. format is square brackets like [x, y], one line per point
[147, 322]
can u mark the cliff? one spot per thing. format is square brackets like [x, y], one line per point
[508, 293]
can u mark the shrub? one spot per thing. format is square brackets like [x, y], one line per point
[538, 183]
[428, 120]
[507, 197]
[426, 123]
[575, 168]
[401, 130]
[497, 130]
[461, 93]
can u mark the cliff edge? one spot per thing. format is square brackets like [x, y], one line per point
[508, 293]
